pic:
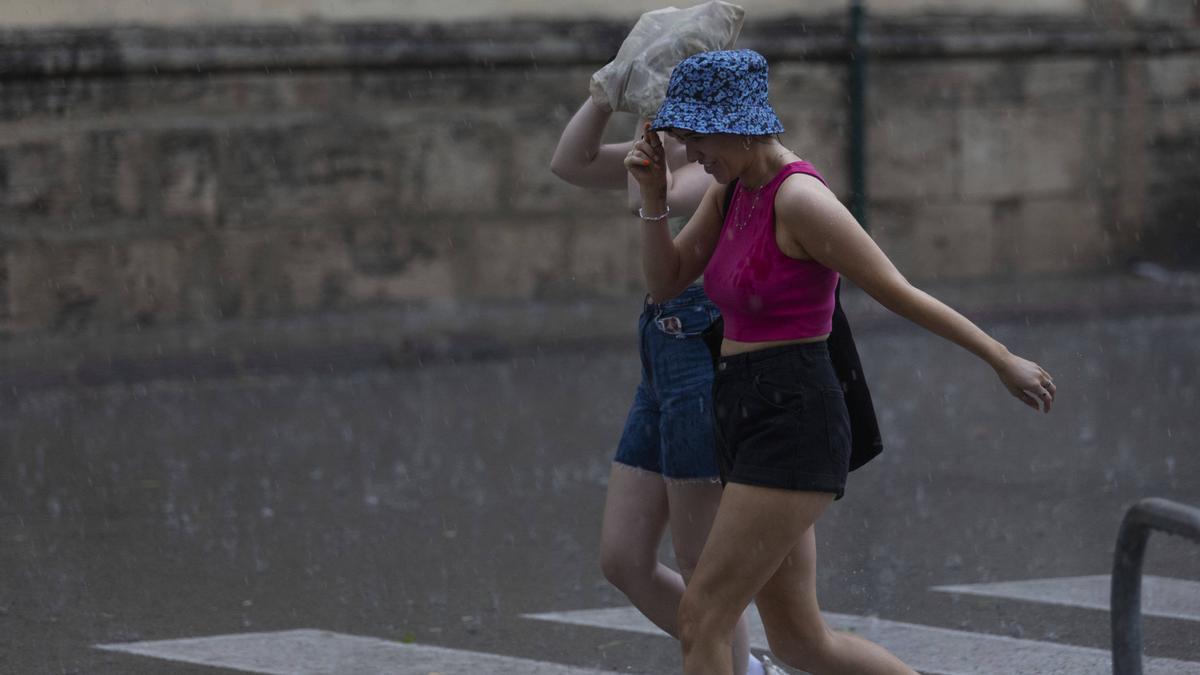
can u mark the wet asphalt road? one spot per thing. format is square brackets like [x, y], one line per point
[436, 504]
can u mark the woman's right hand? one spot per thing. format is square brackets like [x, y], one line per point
[646, 162]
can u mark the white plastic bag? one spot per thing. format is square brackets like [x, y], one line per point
[636, 80]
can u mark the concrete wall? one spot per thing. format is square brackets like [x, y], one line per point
[133, 196]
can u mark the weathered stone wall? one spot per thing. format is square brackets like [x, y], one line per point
[196, 176]
[190, 12]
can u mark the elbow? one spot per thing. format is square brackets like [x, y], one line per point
[558, 168]
[562, 166]
[571, 167]
[895, 293]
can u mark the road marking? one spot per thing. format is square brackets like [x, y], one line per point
[935, 651]
[1161, 596]
[318, 652]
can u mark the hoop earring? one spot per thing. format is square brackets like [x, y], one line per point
[746, 142]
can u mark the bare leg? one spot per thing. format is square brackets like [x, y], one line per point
[762, 547]
[635, 518]
[693, 506]
[797, 633]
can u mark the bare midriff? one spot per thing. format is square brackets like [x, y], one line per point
[733, 347]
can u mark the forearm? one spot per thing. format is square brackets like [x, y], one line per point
[937, 317]
[663, 261]
[1024, 379]
[660, 260]
[635, 196]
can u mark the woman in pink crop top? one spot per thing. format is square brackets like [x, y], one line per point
[771, 263]
[664, 474]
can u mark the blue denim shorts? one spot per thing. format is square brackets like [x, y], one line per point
[669, 428]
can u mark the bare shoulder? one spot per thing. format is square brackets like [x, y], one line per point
[803, 201]
[801, 191]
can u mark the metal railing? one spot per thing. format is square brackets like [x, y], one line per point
[1140, 520]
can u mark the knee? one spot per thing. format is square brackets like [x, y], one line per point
[701, 621]
[807, 650]
[623, 568]
[686, 566]
[690, 620]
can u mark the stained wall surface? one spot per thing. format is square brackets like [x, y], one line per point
[190, 175]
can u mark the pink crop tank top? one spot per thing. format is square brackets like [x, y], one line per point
[763, 294]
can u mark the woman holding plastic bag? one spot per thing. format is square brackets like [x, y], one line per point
[664, 473]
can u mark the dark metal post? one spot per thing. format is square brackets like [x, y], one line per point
[1126, 602]
[858, 105]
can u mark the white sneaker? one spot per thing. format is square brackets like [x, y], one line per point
[769, 666]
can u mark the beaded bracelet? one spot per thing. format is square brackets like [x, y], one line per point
[664, 214]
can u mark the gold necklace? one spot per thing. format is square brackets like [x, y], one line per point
[740, 223]
[746, 214]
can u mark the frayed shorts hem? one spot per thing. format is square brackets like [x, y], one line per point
[686, 480]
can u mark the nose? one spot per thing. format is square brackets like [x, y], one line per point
[692, 155]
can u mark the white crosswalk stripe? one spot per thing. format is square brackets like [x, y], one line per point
[317, 652]
[1161, 596]
[936, 651]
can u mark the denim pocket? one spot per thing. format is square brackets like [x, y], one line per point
[684, 322]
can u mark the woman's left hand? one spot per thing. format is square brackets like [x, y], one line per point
[1027, 381]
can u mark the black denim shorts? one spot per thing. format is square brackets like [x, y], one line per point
[781, 420]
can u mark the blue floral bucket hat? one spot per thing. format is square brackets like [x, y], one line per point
[723, 92]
